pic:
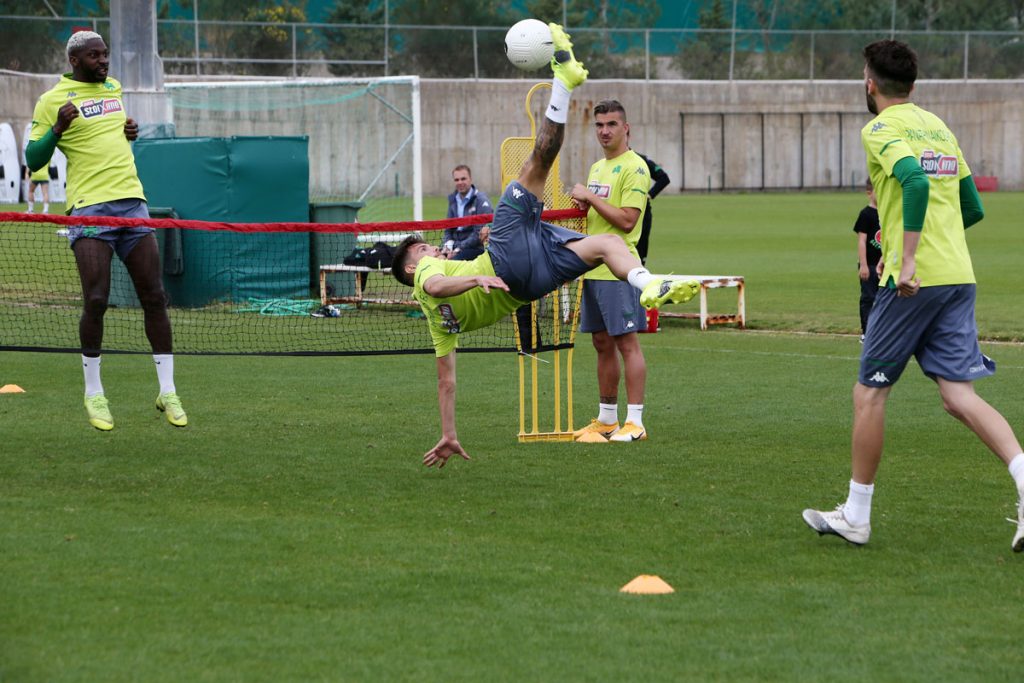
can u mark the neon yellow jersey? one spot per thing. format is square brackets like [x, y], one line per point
[42, 175]
[622, 181]
[101, 167]
[906, 130]
[464, 312]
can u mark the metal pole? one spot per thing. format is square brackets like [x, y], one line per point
[732, 48]
[967, 52]
[892, 23]
[840, 149]
[762, 151]
[195, 34]
[565, 13]
[682, 150]
[722, 119]
[476, 56]
[387, 39]
[647, 55]
[294, 49]
[812, 55]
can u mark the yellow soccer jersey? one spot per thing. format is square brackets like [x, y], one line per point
[622, 181]
[40, 176]
[906, 130]
[101, 166]
[464, 312]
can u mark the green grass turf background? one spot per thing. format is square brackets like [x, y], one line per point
[290, 533]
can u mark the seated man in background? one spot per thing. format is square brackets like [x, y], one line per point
[465, 243]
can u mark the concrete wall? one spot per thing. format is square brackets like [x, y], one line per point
[465, 121]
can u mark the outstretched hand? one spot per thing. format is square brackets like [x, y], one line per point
[488, 282]
[445, 448]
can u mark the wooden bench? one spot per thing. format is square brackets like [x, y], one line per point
[714, 282]
[357, 274]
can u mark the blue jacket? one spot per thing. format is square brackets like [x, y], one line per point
[467, 238]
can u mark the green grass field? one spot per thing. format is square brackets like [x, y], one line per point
[290, 533]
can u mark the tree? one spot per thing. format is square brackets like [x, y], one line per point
[362, 44]
[444, 52]
[32, 45]
[604, 33]
[273, 40]
[707, 56]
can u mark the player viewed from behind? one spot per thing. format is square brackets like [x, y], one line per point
[84, 116]
[41, 179]
[925, 307]
[525, 258]
[869, 254]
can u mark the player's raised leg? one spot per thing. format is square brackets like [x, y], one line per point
[568, 74]
[655, 290]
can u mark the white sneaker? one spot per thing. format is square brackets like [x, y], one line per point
[834, 522]
[1018, 538]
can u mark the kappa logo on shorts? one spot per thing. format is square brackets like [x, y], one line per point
[879, 377]
[939, 164]
[448, 320]
[102, 107]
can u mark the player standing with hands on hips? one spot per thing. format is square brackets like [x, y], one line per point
[84, 116]
[925, 307]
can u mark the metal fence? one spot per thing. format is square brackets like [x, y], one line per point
[301, 49]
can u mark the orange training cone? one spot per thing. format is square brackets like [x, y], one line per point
[11, 389]
[647, 584]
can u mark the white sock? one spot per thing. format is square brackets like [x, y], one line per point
[609, 413]
[858, 506]
[31, 207]
[46, 208]
[91, 368]
[165, 371]
[1017, 471]
[640, 277]
[635, 413]
[558, 106]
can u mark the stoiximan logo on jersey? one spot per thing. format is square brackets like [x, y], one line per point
[448, 319]
[939, 164]
[91, 108]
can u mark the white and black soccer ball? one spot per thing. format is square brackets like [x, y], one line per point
[528, 45]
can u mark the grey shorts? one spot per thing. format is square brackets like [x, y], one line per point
[121, 240]
[529, 255]
[936, 326]
[611, 306]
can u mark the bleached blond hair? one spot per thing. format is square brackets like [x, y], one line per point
[80, 38]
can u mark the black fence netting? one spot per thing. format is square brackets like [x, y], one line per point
[233, 288]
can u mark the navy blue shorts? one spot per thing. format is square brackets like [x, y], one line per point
[936, 326]
[611, 306]
[529, 255]
[121, 240]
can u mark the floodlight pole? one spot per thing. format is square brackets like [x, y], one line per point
[134, 61]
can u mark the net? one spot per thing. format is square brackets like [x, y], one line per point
[239, 288]
[364, 134]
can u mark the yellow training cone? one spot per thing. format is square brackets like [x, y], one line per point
[11, 389]
[647, 584]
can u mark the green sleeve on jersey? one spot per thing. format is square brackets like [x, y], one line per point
[39, 152]
[970, 203]
[915, 192]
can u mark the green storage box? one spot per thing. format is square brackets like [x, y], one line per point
[327, 248]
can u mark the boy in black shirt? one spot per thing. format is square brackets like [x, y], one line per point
[869, 252]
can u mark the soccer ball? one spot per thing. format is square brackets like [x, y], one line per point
[528, 45]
